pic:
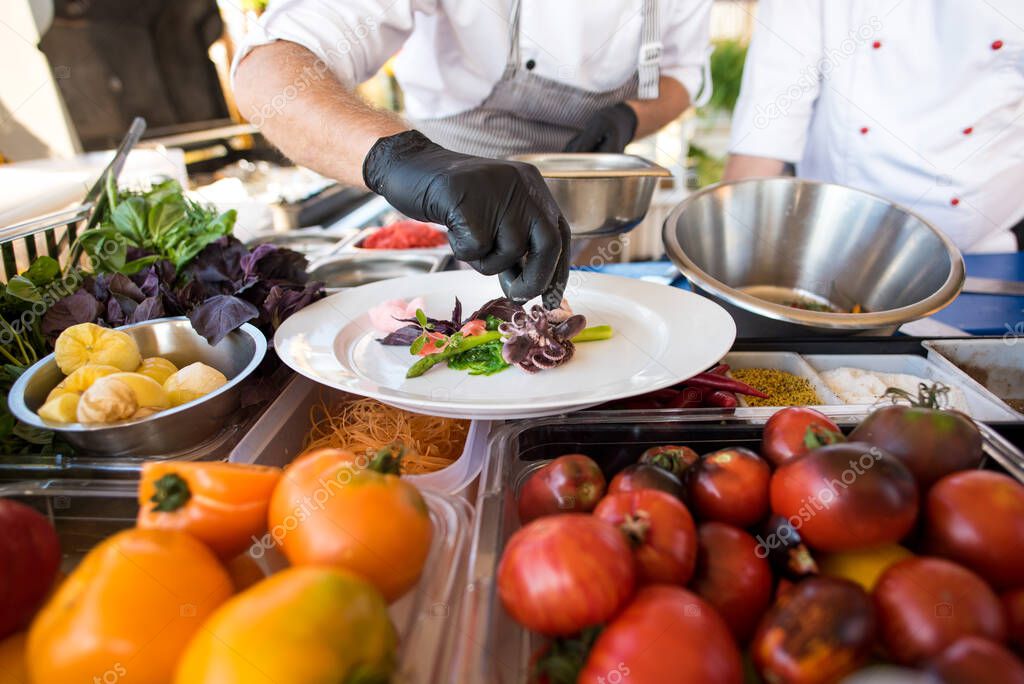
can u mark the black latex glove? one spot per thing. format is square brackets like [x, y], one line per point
[500, 215]
[608, 130]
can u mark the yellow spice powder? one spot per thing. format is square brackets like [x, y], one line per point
[782, 388]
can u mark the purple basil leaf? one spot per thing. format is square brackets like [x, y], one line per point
[499, 308]
[219, 315]
[457, 314]
[283, 301]
[403, 337]
[80, 307]
[270, 262]
[114, 314]
[122, 287]
[150, 308]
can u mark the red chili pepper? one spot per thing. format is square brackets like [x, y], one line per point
[723, 399]
[720, 369]
[718, 382]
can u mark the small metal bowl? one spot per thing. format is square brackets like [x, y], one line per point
[757, 246]
[170, 431]
[599, 194]
[352, 270]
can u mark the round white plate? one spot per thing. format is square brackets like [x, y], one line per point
[662, 335]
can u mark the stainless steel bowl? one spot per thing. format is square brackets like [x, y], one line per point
[756, 245]
[351, 270]
[599, 194]
[170, 431]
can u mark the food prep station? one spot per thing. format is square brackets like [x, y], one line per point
[452, 626]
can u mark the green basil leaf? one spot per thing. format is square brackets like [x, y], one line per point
[421, 318]
[43, 270]
[129, 219]
[417, 345]
[165, 215]
[24, 289]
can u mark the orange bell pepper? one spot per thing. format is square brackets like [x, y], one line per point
[128, 610]
[224, 505]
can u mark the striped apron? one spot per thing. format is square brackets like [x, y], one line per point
[529, 113]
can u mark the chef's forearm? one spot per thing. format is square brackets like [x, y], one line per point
[652, 115]
[741, 166]
[307, 113]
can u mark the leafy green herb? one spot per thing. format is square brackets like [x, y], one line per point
[161, 221]
[483, 360]
[493, 322]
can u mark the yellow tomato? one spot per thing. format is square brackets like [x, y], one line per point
[304, 625]
[129, 608]
[863, 567]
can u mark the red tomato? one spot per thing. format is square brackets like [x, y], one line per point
[29, 559]
[570, 483]
[925, 604]
[818, 632]
[796, 430]
[730, 486]
[675, 459]
[846, 497]
[971, 660]
[666, 635]
[976, 518]
[660, 530]
[646, 476]
[1013, 602]
[564, 572]
[732, 576]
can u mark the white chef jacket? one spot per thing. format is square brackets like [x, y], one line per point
[454, 51]
[919, 101]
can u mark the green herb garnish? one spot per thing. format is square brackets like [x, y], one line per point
[483, 360]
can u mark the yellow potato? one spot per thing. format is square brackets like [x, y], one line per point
[107, 401]
[81, 379]
[148, 392]
[157, 368]
[89, 343]
[193, 381]
[62, 409]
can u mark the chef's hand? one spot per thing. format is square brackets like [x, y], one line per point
[500, 215]
[608, 130]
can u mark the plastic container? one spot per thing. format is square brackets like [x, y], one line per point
[981, 404]
[491, 646]
[784, 361]
[996, 364]
[85, 512]
[277, 437]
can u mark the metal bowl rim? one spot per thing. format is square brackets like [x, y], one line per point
[925, 307]
[21, 411]
[647, 168]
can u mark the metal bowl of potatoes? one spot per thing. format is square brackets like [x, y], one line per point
[171, 430]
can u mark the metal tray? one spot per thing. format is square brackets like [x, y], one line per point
[493, 648]
[995, 363]
[85, 512]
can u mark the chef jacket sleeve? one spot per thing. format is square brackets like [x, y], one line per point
[685, 38]
[781, 81]
[353, 38]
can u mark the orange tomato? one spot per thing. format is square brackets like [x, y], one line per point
[13, 666]
[332, 507]
[301, 626]
[224, 505]
[130, 607]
